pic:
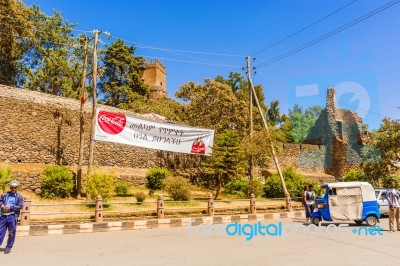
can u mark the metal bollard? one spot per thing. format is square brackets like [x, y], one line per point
[26, 212]
[252, 204]
[210, 205]
[160, 207]
[99, 210]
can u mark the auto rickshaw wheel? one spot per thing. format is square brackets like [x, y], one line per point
[315, 220]
[371, 220]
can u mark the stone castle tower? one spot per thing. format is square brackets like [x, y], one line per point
[339, 134]
[153, 74]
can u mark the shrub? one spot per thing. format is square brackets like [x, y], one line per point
[140, 196]
[155, 177]
[102, 184]
[354, 175]
[236, 186]
[57, 182]
[122, 189]
[254, 186]
[178, 188]
[273, 187]
[294, 181]
[5, 177]
[244, 187]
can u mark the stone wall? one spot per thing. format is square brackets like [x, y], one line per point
[305, 157]
[42, 128]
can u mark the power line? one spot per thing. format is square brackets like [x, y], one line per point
[145, 46]
[303, 29]
[191, 62]
[154, 57]
[196, 58]
[334, 32]
[327, 85]
[188, 56]
[348, 105]
[206, 62]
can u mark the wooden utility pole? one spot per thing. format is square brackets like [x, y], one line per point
[287, 196]
[94, 91]
[251, 159]
[82, 95]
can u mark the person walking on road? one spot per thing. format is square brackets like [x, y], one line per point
[310, 200]
[392, 196]
[10, 206]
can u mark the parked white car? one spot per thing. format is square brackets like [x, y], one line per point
[382, 201]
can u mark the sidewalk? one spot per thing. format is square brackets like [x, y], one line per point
[36, 230]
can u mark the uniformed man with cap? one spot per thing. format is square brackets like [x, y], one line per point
[11, 204]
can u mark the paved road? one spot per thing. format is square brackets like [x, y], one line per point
[174, 246]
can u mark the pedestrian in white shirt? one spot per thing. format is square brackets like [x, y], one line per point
[309, 200]
[392, 196]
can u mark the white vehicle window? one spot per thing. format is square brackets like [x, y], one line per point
[383, 196]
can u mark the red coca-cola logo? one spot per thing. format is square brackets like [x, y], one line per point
[112, 123]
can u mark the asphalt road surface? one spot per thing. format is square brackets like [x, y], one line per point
[211, 246]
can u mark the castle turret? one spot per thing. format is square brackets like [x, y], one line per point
[154, 75]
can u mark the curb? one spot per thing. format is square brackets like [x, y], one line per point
[40, 230]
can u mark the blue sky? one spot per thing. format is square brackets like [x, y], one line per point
[362, 61]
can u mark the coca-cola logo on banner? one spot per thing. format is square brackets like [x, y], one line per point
[112, 123]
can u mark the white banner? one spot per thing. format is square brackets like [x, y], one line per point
[117, 127]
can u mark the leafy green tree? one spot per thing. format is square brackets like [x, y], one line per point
[301, 121]
[121, 80]
[212, 105]
[273, 113]
[381, 156]
[227, 160]
[50, 66]
[387, 140]
[172, 110]
[240, 88]
[259, 147]
[15, 33]
[235, 81]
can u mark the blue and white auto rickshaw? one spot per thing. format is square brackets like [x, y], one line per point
[347, 201]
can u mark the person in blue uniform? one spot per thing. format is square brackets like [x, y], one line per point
[10, 206]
